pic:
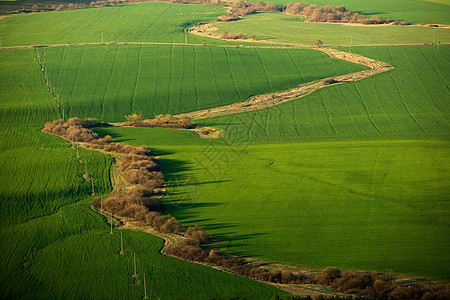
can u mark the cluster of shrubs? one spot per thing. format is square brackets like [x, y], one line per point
[314, 13]
[228, 36]
[72, 130]
[241, 8]
[330, 13]
[160, 121]
[367, 284]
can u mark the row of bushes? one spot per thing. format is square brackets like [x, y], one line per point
[137, 167]
[314, 13]
[242, 8]
[159, 121]
[228, 36]
[358, 283]
[368, 284]
[330, 13]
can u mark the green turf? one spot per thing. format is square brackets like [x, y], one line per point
[414, 11]
[53, 245]
[371, 192]
[291, 29]
[149, 79]
[141, 22]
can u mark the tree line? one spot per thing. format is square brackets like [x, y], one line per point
[238, 9]
[314, 13]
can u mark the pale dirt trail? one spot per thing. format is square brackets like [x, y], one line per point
[263, 101]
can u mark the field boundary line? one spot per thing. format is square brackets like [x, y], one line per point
[263, 101]
[278, 45]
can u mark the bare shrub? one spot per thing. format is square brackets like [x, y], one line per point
[328, 275]
[353, 282]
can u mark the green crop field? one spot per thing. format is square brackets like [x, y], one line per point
[53, 245]
[413, 11]
[109, 84]
[291, 29]
[269, 191]
[352, 176]
[141, 22]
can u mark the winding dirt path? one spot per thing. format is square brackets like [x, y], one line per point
[263, 101]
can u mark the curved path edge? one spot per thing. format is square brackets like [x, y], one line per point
[263, 101]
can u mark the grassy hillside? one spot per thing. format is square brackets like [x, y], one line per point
[150, 79]
[269, 191]
[414, 11]
[53, 245]
[142, 22]
[292, 29]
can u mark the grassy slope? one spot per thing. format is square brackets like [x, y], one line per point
[302, 202]
[142, 22]
[47, 224]
[149, 79]
[414, 11]
[291, 29]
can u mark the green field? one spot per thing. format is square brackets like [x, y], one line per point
[291, 29]
[352, 176]
[109, 84]
[141, 22]
[269, 191]
[413, 11]
[53, 245]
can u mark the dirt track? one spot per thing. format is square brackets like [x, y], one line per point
[266, 100]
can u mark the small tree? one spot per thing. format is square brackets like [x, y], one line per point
[318, 43]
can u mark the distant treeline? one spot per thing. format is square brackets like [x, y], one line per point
[238, 9]
[314, 13]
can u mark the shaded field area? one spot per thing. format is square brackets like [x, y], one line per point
[353, 176]
[413, 11]
[292, 29]
[141, 22]
[152, 79]
[53, 244]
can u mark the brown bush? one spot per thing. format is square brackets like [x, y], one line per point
[406, 292]
[353, 282]
[328, 276]
[381, 289]
[198, 234]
